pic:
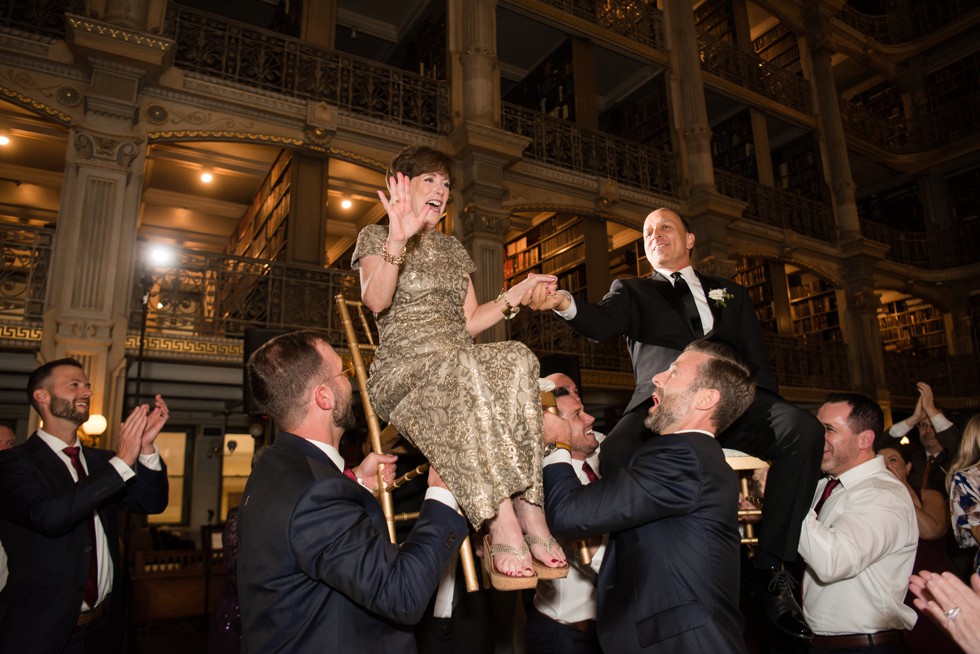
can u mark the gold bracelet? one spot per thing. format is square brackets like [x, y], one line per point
[395, 260]
[508, 310]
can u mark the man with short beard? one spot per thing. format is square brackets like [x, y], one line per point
[60, 513]
[316, 570]
[669, 581]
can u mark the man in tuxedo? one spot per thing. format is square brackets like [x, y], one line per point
[659, 316]
[316, 570]
[59, 518]
[561, 617]
[940, 440]
[669, 581]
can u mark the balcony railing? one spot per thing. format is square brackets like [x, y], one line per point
[47, 18]
[779, 208]
[956, 375]
[257, 58]
[809, 364]
[25, 253]
[219, 295]
[641, 22]
[562, 143]
[753, 72]
[915, 22]
[938, 250]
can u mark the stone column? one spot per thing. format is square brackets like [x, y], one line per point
[859, 319]
[687, 87]
[760, 128]
[319, 22]
[472, 41]
[94, 257]
[819, 47]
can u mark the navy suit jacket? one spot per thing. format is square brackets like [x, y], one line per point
[669, 581]
[44, 529]
[316, 570]
[650, 314]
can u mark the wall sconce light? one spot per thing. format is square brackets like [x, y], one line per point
[95, 425]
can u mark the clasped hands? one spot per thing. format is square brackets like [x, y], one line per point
[140, 429]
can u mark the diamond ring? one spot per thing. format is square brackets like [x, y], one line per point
[951, 613]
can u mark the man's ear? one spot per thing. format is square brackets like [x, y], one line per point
[42, 396]
[707, 399]
[323, 397]
[866, 440]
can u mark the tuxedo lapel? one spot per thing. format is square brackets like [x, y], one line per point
[49, 463]
[708, 285]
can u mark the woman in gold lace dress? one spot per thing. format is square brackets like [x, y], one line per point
[473, 410]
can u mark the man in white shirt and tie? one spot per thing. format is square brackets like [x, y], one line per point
[859, 539]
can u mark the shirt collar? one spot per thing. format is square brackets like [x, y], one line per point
[330, 451]
[859, 472]
[55, 443]
[687, 272]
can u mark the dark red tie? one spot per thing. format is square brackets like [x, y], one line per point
[930, 459]
[91, 594]
[827, 490]
[350, 474]
[589, 472]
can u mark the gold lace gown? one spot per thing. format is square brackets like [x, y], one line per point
[473, 410]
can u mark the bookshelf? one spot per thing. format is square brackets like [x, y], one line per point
[642, 117]
[732, 146]
[555, 246]
[813, 307]
[954, 83]
[756, 275]
[629, 261]
[262, 230]
[899, 207]
[427, 50]
[883, 100]
[780, 47]
[796, 168]
[964, 195]
[549, 88]
[717, 18]
[911, 324]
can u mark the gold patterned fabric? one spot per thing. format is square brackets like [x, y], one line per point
[473, 410]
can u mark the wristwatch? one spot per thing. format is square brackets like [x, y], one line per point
[508, 310]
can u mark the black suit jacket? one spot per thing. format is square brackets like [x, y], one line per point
[316, 571]
[650, 314]
[950, 440]
[669, 580]
[44, 529]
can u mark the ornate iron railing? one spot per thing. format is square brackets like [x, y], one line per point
[25, 253]
[779, 208]
[47, 18]
[242, 54]
[918, 20]
[753, 72]
[797, 362]
[956, 375]
[565, 144]
[937, 250]
[642, 22]
[220, 295]
[808, 363]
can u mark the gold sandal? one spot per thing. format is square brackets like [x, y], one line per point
[500, 580]
[544, 571]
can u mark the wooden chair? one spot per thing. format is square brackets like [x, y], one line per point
[384, 440]
[745, 465]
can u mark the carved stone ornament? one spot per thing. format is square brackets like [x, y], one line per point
[108, 149]
[476, 221]
[157, 114]
[69, 96]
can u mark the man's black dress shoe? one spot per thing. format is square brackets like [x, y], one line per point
[782, 609]
[775, 588]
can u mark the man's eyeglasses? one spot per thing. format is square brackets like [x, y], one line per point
[347, 372]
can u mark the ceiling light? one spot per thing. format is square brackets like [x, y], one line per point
[4, 140]
[207, 177]
[161, 256]
[346, 204]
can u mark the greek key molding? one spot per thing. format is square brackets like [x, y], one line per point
[19, 336]
[216, 350]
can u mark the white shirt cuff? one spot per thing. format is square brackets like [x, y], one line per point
[442, 495]
[558, 456]
[899, 429]
[122, 468]
[571, 311]
[152, 461]
[940, 422]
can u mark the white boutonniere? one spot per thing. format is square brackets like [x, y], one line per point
[720, 296]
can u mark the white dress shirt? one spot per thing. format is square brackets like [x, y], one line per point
[151, 461]
[902, 427]
[697, 291]
[859, 554]
[573, 598]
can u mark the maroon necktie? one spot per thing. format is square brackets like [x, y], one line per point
[350, 474]
[91, 594]
[930, 459]
[589, 472]
[828, 489]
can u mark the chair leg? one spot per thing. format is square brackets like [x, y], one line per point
[469, 566]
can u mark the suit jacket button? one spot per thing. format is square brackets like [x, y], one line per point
[87, 549]
[450, 540]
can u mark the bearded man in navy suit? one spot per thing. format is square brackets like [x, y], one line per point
[669, 580]
[659, 316]
[59, 518]
[316, 570]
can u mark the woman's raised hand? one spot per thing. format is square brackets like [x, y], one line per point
[521, 293]
[404, 221]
